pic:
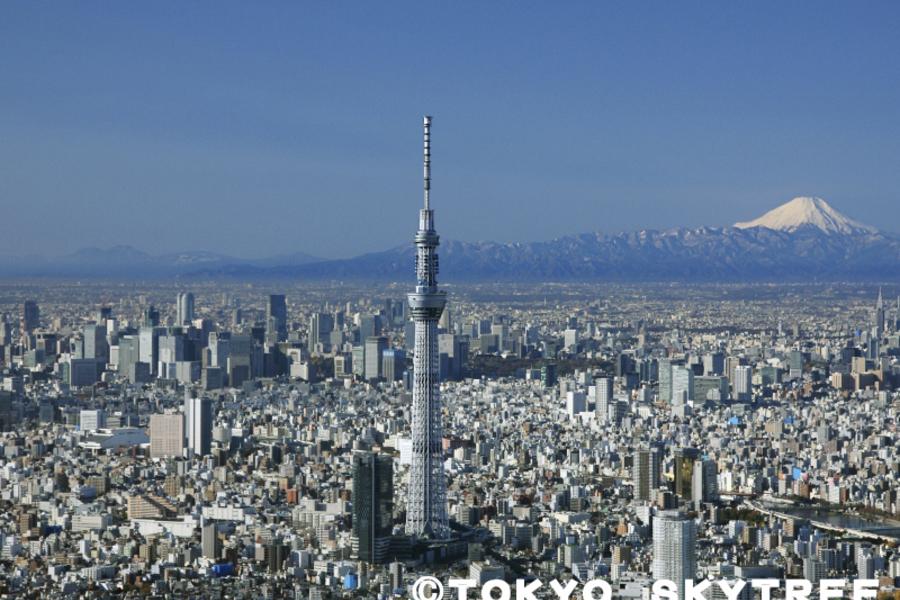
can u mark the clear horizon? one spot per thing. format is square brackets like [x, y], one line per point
[101, 247]
[258, 132]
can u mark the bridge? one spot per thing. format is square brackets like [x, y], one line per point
[874, 533]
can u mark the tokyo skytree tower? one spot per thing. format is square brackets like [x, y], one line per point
[426, 508]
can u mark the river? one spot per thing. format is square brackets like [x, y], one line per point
[869, 524]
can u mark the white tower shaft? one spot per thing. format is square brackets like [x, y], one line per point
[426, 510]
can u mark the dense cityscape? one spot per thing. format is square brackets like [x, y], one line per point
[228, 439]
[233, 440]
[621, 322]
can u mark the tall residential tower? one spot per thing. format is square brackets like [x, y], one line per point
[426, 510]
[674, 545]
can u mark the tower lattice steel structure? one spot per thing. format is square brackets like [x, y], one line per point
[426, 509]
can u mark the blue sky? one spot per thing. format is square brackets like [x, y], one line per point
[267, 128]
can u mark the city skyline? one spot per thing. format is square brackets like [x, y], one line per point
[626, 408]
[678, 116]
[634, 434]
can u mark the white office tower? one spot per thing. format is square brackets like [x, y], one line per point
[185, 309]
[705, 481]
[865, 561]
[426, 509]
[743, 382]
[92, 420]
[198, 425]
[879, 316]
[604, 397]
[674, 545]
[682, 385]
[570, 340]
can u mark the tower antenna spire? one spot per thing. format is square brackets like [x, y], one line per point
[427, 160]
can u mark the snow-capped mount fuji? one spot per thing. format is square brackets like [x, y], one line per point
[805, 211]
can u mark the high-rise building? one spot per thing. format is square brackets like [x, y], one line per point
[396, 572]
[83, 372]
[148, 346]
[343, 365]
[456, 349]
[705, 481]
[684, 472]
[320, 327]
[5, 331]
[31, 317]
[369, 326]
[336, 338]
[129, 359]
[373, 505]
[570, 340]
[209, 540]
[682, 385]
[879, 315]
[358, 360]
[92, 420]
[185, 309]
[187, 408]
[276, 316]
[151, 316]
[714, 363]
[548, 375]
[166, 435]
[645, 472]
[576, 403]
[710, 387]
[674, 547]
[426, 510]
[445, 323]
[795, 361]
[219, 349]
[95, 345]
[393, 363]
[171, 350]
[375, 346]
[665, 380]
[603, 397]
[814, 569]
[198, 425]
[865, 560]
[743, 382]
[896, 327]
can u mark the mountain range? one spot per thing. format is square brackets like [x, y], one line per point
[129, 262]
[804, 239]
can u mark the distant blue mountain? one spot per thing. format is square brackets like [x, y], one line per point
[700, 254]
[802, 240]
[127, 262]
